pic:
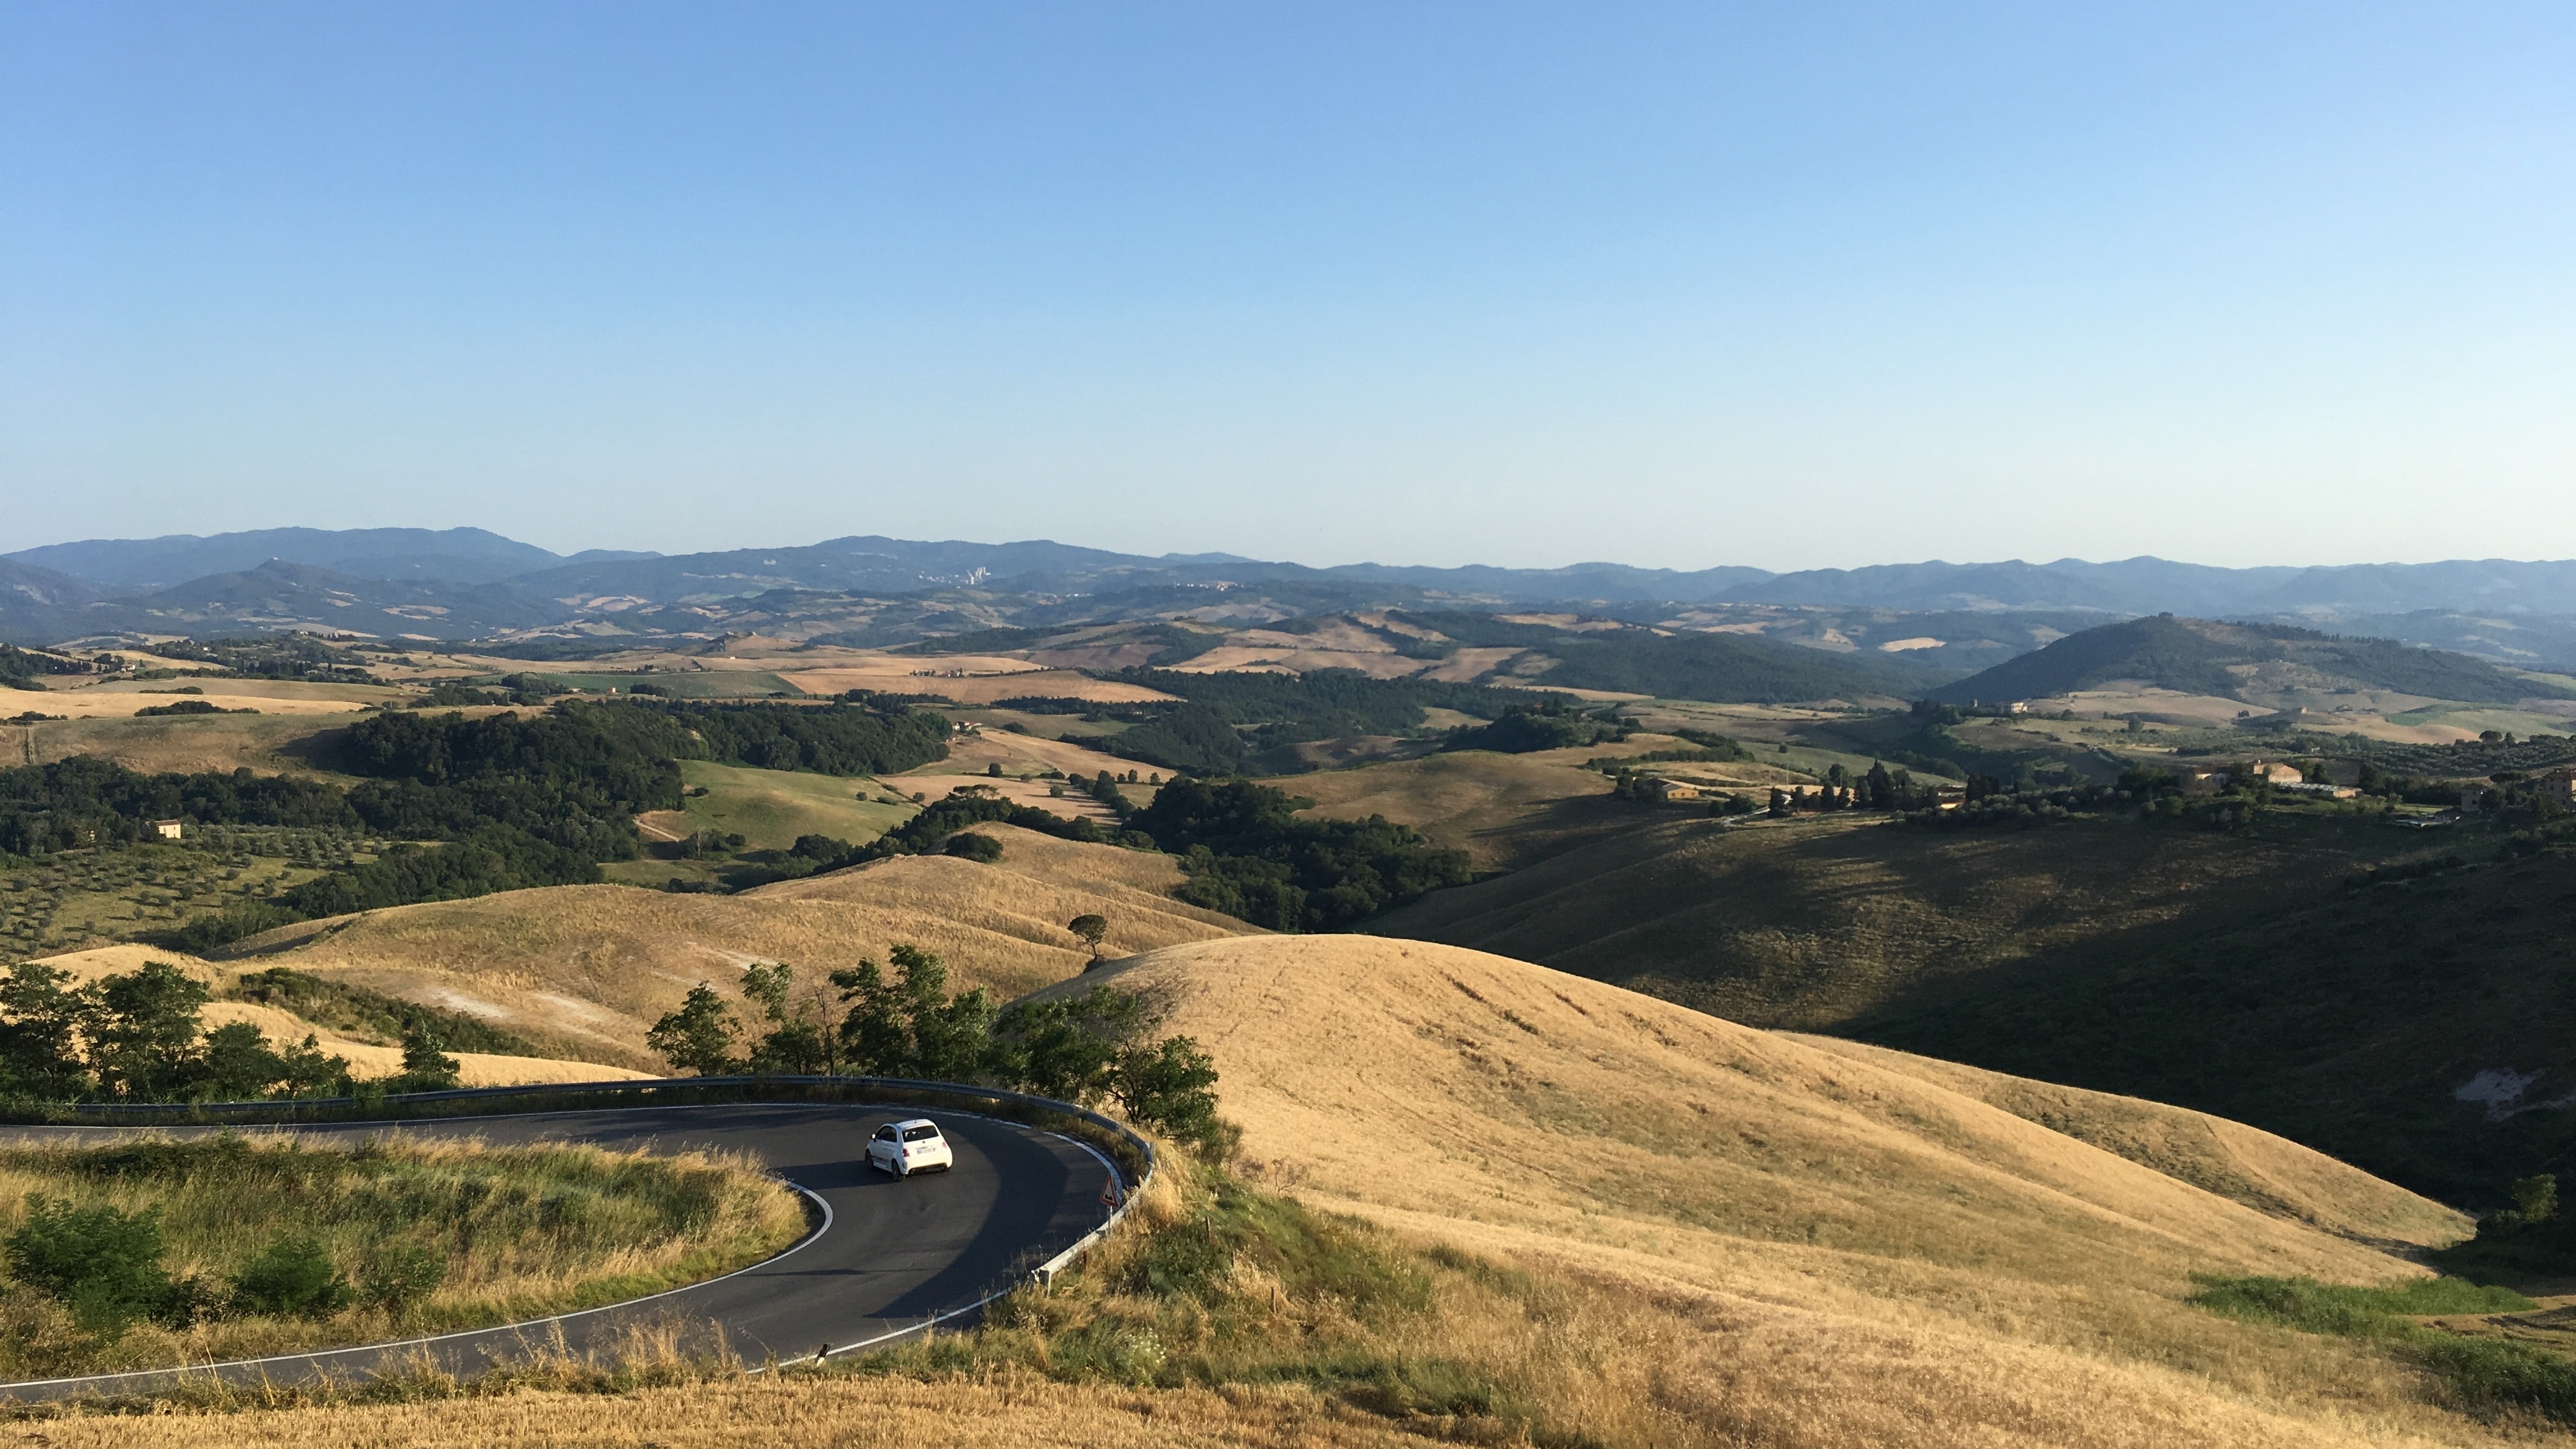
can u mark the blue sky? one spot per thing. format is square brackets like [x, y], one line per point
[1672, 285]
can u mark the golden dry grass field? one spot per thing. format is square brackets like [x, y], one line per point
[120, 698]
[366, 1059]
[770, 1412]
[965, 678]
[1508, 811]
[591, 967]
[1703, 1235]
[1843, 1252]
[519, 1231]
[266, 744]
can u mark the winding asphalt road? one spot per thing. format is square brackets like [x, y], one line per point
[886, 1257]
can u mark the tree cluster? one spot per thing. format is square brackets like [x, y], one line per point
[141, 1037]
[1249, 854]
[972, 805]
[20, 668]
[274, 656]
[85, 801]
[1226, 719]
[860, 1021]
[1879, 788]
[1552, 724]
[833, 739]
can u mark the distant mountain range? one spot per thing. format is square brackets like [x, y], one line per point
[454, 555]
[468, 583]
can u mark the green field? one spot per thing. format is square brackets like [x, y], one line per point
[770, 808]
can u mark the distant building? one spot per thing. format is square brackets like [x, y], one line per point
[2200, 779]
[1656, 787]
[2473, 795]
[2275, 774]
[170, 829]
[2558, 787]
[2331, 792]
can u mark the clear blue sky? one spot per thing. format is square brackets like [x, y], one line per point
[1788, 285]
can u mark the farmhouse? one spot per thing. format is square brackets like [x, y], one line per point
[2200, 779]
[1658, 788]
[170, 829]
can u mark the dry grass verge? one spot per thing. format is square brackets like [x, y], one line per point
[1231, 1316]
[514, 1232]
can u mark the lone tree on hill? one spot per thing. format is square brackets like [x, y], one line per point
[1091, 929]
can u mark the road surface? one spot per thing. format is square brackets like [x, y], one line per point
[886, 1257]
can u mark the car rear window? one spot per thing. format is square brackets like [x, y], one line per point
[920, 1134]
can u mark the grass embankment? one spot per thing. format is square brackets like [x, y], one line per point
[1223, 1312]
[422, 1237]
[2484, 1373]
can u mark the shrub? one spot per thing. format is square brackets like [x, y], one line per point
[292, 1278]
[102, 1264]
[426, 1067]
[400, 1275]
[968, 845]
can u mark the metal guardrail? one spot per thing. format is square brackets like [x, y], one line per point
[286, 1113]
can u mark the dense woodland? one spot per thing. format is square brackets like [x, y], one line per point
[1250, 855]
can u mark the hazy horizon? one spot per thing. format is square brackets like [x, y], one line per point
[1389, 562]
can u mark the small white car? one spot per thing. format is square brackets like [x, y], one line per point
[904, 1148]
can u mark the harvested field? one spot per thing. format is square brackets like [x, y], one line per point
[265, 743]
[761, 1413]
[978, 679]
[1503, 810]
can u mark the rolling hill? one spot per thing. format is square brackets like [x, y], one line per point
[869, 590]
[593, 966]
[2200, 657]
[2244, 974]
[1808, 923]
[455, 555]
[1816, 1245]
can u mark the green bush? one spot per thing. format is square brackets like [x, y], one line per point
[293, 1278]
[399, 1276]
[968, 845]
[102, 1264]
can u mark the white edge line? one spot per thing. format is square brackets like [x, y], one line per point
[1043, 1273]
